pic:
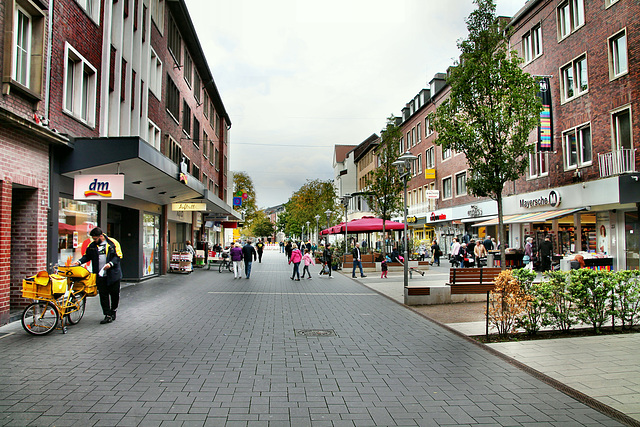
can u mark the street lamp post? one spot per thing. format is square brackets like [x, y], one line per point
[404, 166]
[317, 217]
[345, 202]
[328, 213]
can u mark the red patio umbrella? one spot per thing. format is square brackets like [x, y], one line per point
[372, 224]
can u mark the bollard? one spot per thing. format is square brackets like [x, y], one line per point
[490, 260]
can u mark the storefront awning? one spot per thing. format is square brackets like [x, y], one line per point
[149, 175]
[478, 219]
[530, 217]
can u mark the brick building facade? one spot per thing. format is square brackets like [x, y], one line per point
[92, 88]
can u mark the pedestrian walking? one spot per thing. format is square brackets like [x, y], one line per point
[481, 254]
[488, 243]
[436, 253]
[308, 260]
[455, 252]
[296, 257]
[357, 261]
[105, 254]
[189, 248]
[248, 255]
[260, 249]
[327, 256]
[546, 251]
[288, 249]
[236, 258]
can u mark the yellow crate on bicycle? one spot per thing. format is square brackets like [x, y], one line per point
[43, 286]
[74, 271]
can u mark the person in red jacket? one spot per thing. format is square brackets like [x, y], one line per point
[296, 257]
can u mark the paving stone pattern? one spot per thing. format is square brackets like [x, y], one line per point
[205, 349]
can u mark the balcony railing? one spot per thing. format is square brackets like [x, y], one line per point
[420, 208]
[617, 162]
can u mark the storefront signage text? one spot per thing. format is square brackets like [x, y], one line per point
[552, 199]
[98, 187]
[435, 217]
[412, 220]
[189, 206]
[474, 211]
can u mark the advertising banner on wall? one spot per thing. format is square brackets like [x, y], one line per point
[545, 129]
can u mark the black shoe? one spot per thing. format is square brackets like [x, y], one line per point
[113, 316]
[107, 319]
[364, 275]
[353, 277]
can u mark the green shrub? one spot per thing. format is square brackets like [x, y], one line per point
[531, 319]
[626, 297]
[591, 292]
[558, 305]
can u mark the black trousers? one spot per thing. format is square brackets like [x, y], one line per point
[259, 256]
[109, 295]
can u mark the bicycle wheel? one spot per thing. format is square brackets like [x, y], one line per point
[40, 318]
[77, 305]
[220, 267]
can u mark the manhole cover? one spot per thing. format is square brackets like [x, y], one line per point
[315, 332]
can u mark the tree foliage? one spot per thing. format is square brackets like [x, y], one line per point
[491, 110]
[384, 187]
[262, 226]
[313, 198]
[243, 182]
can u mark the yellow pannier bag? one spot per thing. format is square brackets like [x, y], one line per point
[58, 284]
[76, 271]
[88, 285]
[38, 286]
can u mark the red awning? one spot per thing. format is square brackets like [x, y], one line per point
[372, 224]
[229, 224]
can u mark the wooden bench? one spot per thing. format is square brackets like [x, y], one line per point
[472, 280]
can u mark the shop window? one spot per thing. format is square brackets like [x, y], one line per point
[173, 99]
[151, 244]
[577, 147]
[154, 135]
[446, 188]
[461, 184]
[574, 78]
[621, 131]
[155, 75]
[23, 60]
[618, 61]
[538, 163]
[75, 220]
[79, 87]
[570, 17]
[532, 44]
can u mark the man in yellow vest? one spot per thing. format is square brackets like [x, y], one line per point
[105, 255]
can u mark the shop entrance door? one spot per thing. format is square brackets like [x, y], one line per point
[632, 240]
[124, 225]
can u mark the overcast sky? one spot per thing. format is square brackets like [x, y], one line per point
[299, 76]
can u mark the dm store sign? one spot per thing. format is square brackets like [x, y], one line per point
[98, 187]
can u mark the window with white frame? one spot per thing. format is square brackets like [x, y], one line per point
[532, 44]
[538, 163]
[205, 104]
[174, 41]
[418, 170]
[154, 135]
[186, 118]
[402, 145]
[413, 137]
[24, 46]
[618, 61]
[427, 126]
[446, 154]
[446, 188]
[205, 178]
[621, 129]
[155, 75]
[188, 69]
[217, 160]
[173, 150]
[419, 132]
[570, 17]
[461, 183]
[430, 158]
[430, 201]
[80, 81]
[157, 14]
[195, 135]
[575, 79]
[205, 144]
[195, 171]
[577, 147]
[608, 3]
[409, 143]
[92, 7]
[173, 98]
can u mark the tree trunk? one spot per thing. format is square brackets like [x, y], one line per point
[501, 236]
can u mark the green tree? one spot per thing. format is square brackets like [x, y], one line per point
[243, 182]
[491, 110]
[313, 198]
[262, 225]
[384, 187]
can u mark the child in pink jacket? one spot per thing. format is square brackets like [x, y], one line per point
[296, 257]
[308, 260]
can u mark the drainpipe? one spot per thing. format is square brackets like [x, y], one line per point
[48, 68]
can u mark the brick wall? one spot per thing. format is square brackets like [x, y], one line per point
[24, 186]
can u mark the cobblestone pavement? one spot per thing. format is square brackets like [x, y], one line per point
[205, 349]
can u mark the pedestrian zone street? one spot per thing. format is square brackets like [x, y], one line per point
[206, 349]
